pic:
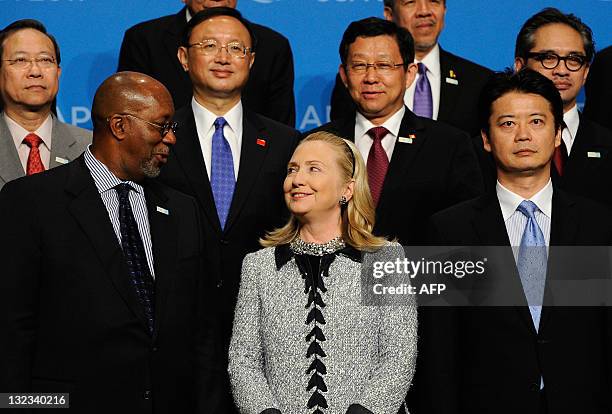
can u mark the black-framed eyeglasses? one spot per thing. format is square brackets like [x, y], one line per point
[381, 66]
[573, 62]
[163, 128]
[210, 47]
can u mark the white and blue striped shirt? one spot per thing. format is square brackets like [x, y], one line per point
[106, 182]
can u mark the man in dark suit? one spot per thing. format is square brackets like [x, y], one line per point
[232, 160]
[32, 139]
[451, 82]
[102, 293]
[598, 89]
[560, 47]
[150, 47]
[416, 166]
[525, 358]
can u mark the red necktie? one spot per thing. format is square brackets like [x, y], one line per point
[560, 157]
[378, 163]
[35, 164]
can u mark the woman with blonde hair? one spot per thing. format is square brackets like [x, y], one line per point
[304, 339]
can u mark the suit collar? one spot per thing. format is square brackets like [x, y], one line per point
[283, 254]
[64, 146]
[450, 81]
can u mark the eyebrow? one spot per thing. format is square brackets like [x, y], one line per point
[514, 116]
[310, 162]
[572, 52]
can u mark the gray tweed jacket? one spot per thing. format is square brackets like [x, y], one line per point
[298, 347]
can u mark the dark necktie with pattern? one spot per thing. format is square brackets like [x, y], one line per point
[378, 162]
[222, 180]
[133, 250]
[560, 157]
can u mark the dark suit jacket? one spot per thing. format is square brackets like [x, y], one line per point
[490, 359]
[437, 170]
[598, 89]
[150, 47]
[70, 320]
[258, 204]
[458, 103]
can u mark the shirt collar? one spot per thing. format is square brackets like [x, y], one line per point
[19, 133]
[432, 61]
[509, 201]
[572, 120]
[104, 179]
[363, 125]
[283, 253]
[233, 117]
[188, 15]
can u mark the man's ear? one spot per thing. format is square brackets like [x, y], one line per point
[252, 58]
[519, 64]
[388, 12]
[182, 57]
[485, 141]
[118, 126]
[343, 75]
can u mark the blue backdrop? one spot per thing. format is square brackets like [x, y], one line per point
[90, 32]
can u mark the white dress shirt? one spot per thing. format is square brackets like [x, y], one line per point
[516, 221]
[572, 121]
[205, 125]
[363, 140]
[432, 62]
[19, 133]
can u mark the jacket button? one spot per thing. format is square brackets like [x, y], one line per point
[534, 387]
[154, 349]
[224, 242]
[220, 283]
[147, 395]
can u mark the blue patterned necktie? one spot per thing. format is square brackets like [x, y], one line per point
[222, 178]
[423, 102]
[532, 261]
[133, 250]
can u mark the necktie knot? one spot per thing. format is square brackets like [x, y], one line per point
[422, 69]
[123, 191]
[32, 140]
[378, 133]
[220, 123]
[528, 208]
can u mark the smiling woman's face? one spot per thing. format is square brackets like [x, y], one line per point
[314, 183]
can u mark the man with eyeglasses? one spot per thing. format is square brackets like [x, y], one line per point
[32, 139]
[231, 159]
[416, 166]
[102, 294]
[446, 86]
[560, 46]
[150, 47]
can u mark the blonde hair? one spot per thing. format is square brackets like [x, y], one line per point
[358, 215]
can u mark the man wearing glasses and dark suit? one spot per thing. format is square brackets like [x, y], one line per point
[560, 47]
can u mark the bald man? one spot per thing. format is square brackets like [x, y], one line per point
[101, 294]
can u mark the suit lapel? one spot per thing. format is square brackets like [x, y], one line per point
[188, 153]
[63, 145]
[449, 92]
[252, 155]
[88, 210]
[403, 155]
[492, 231]
[164, 239]
[563, 230]
[10, 165]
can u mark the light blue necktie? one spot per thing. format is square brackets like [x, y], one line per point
[423, 102]
[222, 179]
[532, 261]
